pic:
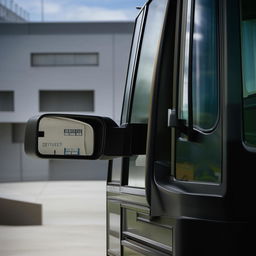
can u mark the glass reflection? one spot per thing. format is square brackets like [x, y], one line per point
[148, 57]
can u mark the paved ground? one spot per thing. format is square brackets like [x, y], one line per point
[73, 220]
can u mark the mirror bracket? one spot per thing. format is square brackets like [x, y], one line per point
[126, 140]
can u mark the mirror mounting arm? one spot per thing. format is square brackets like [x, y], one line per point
[125, 140]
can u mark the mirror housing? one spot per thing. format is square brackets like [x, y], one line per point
[65, 136]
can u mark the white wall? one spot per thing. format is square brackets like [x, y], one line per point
[15, 165]
[16, 73]
[107, 79]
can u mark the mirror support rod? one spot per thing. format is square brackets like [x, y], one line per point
[126, 140]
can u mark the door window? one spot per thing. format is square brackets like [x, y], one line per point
[199, 161]
[204, 66]
[132, 61]
[200, 66]
[147, 61]
[248, 27]
[143, 82]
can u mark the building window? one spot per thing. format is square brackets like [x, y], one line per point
[68, 101]
[6, 101]
[64, 59]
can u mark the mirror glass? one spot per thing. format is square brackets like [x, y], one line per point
[63, 136]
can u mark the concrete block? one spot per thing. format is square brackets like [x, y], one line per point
[19, 213]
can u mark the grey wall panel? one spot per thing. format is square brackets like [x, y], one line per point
[15, 165]
[78, 170]
[59, 28]
[18, 132]
[10, 160]
[33, 169]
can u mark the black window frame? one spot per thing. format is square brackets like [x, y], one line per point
[129, 85]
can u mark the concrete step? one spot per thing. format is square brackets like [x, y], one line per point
[15, 212]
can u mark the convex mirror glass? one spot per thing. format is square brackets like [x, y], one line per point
[64, 136]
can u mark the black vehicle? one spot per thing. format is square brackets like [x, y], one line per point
[182, 161]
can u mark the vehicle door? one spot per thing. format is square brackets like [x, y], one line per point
[196, 149]
[128, 210]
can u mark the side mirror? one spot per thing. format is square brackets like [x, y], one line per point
[82, 137]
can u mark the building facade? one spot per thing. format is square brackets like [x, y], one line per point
[58, 67]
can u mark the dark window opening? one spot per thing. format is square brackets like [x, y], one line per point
[64, 59]
[6, 101]
[68, 101]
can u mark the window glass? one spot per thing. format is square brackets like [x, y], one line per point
[248, 27]
[39, 60]
[116, 171]
[86, 59]
[148, 54]
[64, 59]
[199, 161]
[202, 75]
[137, 166]
[183, 103]
[143, 82]
[204, 65]
[131, 66]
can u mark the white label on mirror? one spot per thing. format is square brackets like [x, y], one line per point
[64, 136]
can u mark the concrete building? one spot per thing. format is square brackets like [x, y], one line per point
[58, 67]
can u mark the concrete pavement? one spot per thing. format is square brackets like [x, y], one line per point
[74, 219]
